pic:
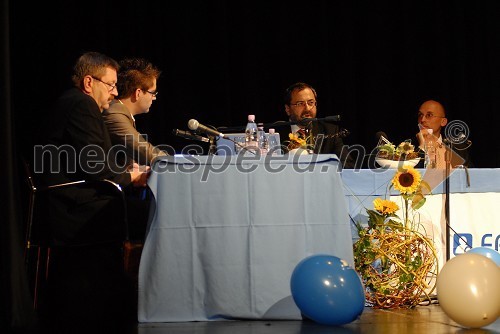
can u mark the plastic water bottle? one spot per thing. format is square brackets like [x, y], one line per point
[251, 139]
[430, 150]
[263, 141]
[271, 142]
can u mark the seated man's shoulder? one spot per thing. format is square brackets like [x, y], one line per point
[74, 96]
[116, 108]
[75, 102]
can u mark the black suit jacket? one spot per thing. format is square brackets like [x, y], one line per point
[75, 145]
[331, 143]
[76, 125]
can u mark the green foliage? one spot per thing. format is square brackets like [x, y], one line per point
[389, 256]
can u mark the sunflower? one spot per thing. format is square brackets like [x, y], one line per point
[406, 147]
[407, 180]
[296, 142]
[404, 151]
[385, 207]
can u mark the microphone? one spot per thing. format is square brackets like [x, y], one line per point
[334, 118]
[189, 135]
[382, 136]
[196, 126]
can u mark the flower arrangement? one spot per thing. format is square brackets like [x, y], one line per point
[396, 261]
[404, 151]
[295, 142]
[307, 142]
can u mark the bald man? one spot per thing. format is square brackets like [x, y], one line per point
[432, 115]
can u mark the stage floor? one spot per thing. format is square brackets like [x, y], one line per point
[422, 319]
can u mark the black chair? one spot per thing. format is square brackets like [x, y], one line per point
[41, 236]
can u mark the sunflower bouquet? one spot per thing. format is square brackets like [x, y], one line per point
[396, 261]
[299, 142]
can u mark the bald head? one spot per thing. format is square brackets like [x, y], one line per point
[431, 115]
[433, 106]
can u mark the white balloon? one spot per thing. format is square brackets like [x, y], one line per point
[468, 289]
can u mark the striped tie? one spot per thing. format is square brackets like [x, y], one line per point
[302, 133]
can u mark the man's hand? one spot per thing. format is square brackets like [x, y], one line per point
[421, 136]
[139, 175]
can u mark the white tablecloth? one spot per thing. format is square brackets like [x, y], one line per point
[223, 241]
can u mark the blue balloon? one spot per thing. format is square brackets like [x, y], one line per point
[327, 290]
[488, 252]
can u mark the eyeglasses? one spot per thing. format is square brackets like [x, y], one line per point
[111, 87]
[301, 104]
[427, 115]
[152, 93]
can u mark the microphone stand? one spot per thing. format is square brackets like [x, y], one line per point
[448, 160]
[303, 122]
[211, 140]
[447, 199]
[241, 146]
[213, 147]
[237, 129]
[307, 122]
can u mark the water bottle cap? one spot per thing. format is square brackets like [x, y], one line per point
[271, 131]
[251, 118]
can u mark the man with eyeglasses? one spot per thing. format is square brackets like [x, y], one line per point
[431, 115]
[87, 282]
[76, 121]
[137, 90]
[301, 103]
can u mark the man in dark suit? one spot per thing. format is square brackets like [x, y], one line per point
[77, 146]
[86, 279]
[301, 103]
[432, 116]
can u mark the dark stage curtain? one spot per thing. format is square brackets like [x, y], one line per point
[372, 62]
[17, 312]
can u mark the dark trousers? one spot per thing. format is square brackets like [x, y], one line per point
[88, 291]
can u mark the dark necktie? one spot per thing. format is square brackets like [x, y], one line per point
[302, 133]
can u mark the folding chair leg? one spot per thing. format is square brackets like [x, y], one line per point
[41, 273]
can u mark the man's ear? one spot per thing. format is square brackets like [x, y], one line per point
[136, 95]
[87, 84]
[444, 121]
[287, 110]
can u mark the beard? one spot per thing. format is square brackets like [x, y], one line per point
[305, 114]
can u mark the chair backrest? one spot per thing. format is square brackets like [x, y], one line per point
[74, 213]
[82, 213]
[29, 189]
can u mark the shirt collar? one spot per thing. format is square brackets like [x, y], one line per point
[295, 128]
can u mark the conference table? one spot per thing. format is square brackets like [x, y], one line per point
[226, 233]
